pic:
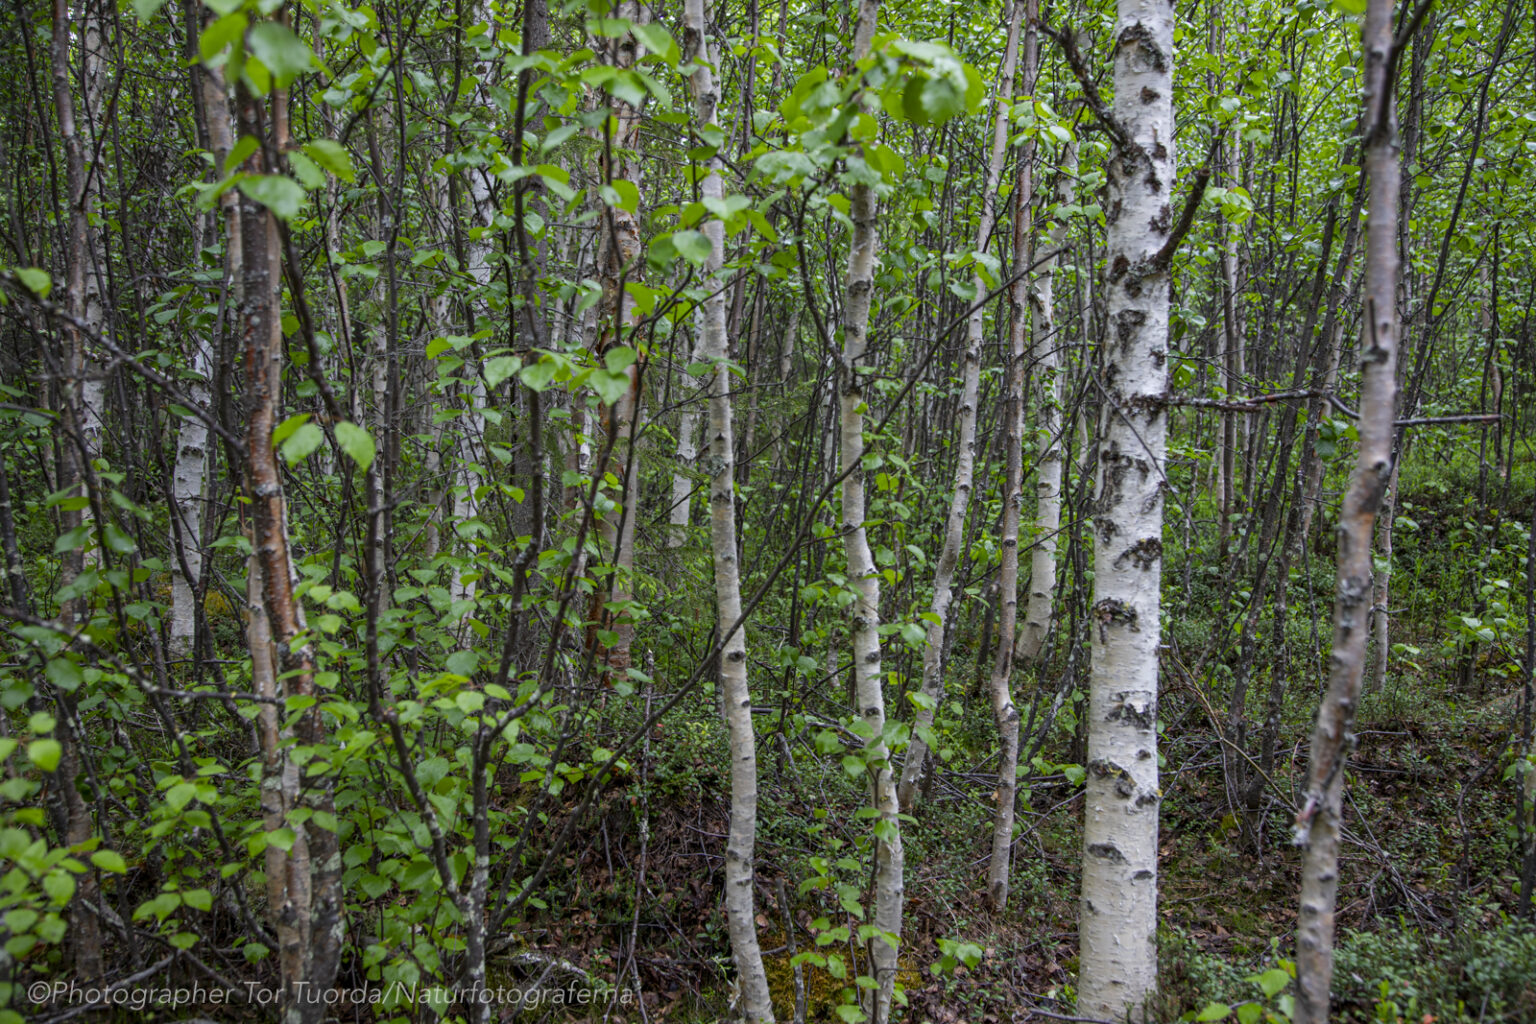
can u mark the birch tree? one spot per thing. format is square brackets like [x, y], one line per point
[1046, 361]
[1317, 825]
[619, 262]
[863, 576]
[1118, 923]
[965, 444]
[81, 406]
[189, 484]
[309, 917]
[755, 1004]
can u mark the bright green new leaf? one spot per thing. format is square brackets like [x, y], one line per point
[610, 386]
[60, 886]
[357, 443]
[1273, 981]
[37, 281]
[110, 861]
[147, 9]
[285, 54]
[499, 368]
[693, 245]
[282, 195]
[302, 443]
[333, 157]
[45, 754]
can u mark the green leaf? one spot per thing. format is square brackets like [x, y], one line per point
[1273, 981]
[333, 157]
[179, 795]
[357, 443]
[500, 368]
[240, 152]
[1216, 1011]
[303, 442]
[110, 861]
[45, 754]
[626, 195]
[37, 281]
[619, 358]
[283, 196]
[227, 31]
[282, 838]
[197, 899]
[285, 429]
[147, 9]
[538, 376]
[609, 386]
[693, 245]
[60, 886]
[64, 674]
[1350, 6]
[284, 54]
[941, 99]
[657, 40]
[308, 173]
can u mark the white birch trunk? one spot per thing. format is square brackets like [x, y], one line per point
[687, 449]
[1046, 360]
[620, 260]
[1005, 713]
[93, 76]
[189, 483]
[965, 461]
[864, 627]
[755, 1003]
[1118, 923]
[188, 489]
[1317, 826]
[471, 425]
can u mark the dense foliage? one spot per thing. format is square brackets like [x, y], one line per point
[471, 470]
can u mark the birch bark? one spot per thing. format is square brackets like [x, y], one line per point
[965, 461]
[190, 479]
[1118, 925]
[1317, 826]
[755, 1004]
[864, 627]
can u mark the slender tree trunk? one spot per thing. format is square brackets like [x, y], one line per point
[1118, 924]
[620, 261]
[1005, 715]
[755, 1003]
[687, 454]
[1381, 619]
[965, 449]
[1231, 354]
[1317, 826]
[1311, 468]
[82, 434]
[310, 921]
[863, 576]
[1526, 812]
[1049, 429]
[190, 483]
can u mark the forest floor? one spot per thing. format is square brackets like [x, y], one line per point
[1428, 875]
